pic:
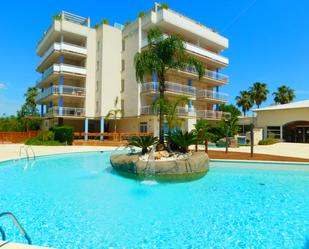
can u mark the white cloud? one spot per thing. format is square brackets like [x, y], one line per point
[3, 86]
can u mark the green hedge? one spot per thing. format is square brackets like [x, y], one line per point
[268, 141]
[46, 136]
[36, 141]
[63, 134]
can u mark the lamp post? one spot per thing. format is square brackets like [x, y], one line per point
[252, 136]
[226, 117]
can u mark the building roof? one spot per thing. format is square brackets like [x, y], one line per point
[294, 105]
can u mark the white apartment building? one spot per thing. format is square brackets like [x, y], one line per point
[88, 71]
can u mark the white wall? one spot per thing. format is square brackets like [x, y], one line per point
[109, 74]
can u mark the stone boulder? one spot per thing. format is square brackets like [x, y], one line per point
[198, 162]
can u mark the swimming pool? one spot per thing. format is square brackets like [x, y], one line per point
[78, 201]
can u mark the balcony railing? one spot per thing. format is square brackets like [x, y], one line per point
[197, 50]
[62, 68]
[63, 46]
[209, 74]
[66, 111]
[207, 94]
[66, 90]
[170, 87]
[211, 114]
[181, 111]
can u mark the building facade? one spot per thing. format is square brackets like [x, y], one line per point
[88, 71]
[287, 122]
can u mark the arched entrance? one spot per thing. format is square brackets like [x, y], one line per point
[297, 132]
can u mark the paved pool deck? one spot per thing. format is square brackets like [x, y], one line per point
[11, 151]
[11, 245]
[299, 150]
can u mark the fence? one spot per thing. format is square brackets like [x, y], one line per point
[114, 136]
[17, 137]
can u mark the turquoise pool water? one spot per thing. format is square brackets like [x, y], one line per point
[78, 201]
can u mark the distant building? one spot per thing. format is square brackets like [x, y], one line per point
[288, 122]
[85, 70]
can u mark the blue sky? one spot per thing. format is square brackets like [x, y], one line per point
[269, 40]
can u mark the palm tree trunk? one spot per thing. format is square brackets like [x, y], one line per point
[161, 115]
[206, 146]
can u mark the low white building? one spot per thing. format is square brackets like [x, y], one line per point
[288, 122]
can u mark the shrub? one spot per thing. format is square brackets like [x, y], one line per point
[141, 14]
[164, 6]
[46, 136]
[183, 140]
[36, 141]
[64, 134]
[56, 17]
[268, 141]
[143, 142]
[222, 142]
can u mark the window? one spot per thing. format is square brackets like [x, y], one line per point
[122, 65]
[143, 127]
[273, 132]
[122, 106]
[97, 106]
[98, 45]
[98, 64]
[122, 85]
[123, 45]
[97, 86]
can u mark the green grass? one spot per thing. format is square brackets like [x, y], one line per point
[35, 141]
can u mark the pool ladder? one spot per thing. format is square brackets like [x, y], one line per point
[17, 224]
[26, 149]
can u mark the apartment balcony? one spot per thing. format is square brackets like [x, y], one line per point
[211, 96]
[69, 91]
[75, 26]
[170, 88]
[211, 114]
[53, 53]
[57, 111]
[167, 20]
[63, 69]
[216, 59]
[181, 111]
[212, 77]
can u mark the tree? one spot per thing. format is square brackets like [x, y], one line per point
[202, 132]
[161, 56]
[259, 93]
[29, 116]
[114, 113]
[244, 101]
[170, 110]
[231, 109]
[284, 95]
[29, 108]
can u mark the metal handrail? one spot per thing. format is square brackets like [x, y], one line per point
[26, 150]
[17, 224]
[30, 147]
[23, 147]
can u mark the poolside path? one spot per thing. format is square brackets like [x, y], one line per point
[11, 245]
[277, 152]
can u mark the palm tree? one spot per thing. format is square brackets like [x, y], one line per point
[202, 132]
[259, 93]
[161, 56]
[170, 110]
[114, 113]
[284, 95]
[244, 101]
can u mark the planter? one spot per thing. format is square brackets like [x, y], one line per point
[198, 162]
